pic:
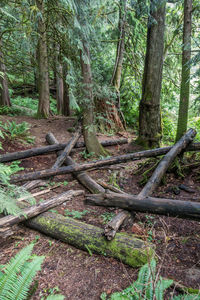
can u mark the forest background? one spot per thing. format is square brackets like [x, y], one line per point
[103, 60]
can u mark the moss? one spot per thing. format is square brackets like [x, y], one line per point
[124, 247]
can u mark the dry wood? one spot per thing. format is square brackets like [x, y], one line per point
[38, 193]
[35, 210]
[52, 148]
[161, 206]
[91, 165]
[82, 177]
[162, 167]
[61, 158]
[125, 247]
[112, 227]
[29, 186]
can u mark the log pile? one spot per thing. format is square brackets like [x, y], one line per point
[84, 236]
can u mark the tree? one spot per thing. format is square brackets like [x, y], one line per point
[185, 76]
[4, 93]
[150, 130]
[89, 132]
[43, 107]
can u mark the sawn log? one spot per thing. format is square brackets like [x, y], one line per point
[160, 206]
[124, 247]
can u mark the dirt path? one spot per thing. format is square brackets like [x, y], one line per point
[75, 273]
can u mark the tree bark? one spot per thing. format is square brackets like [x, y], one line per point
[37, 209]
[66, 99]
[89, 132]
[4, 93]
[150, 131]
[160, 206]
[59, 80]
[44, 106]
[48, 149]
[82, 177]
[124, 247]
[185, 76]
[162, 167]
[61, 158]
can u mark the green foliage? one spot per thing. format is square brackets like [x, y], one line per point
[76, 214]
[10, 192]
[107, 217]
[20, 132]
[146, 287]
[17, 275]
[12, 111]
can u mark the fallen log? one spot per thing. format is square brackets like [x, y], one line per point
[95, 164]
[61, 158]
[161, 206]
[82, 177]
[52, 148]
[163, 165]
[124, 247]
[112, 227]
[29, 186]
[110, 187]
[37, 209]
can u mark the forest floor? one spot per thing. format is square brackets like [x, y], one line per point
[79, 275]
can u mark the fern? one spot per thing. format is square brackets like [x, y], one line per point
[17, 275]
[10, 192]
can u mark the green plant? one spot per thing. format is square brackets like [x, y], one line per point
[107, 216]
[20, 131]
[148, 286]
[76, 214]
[10, 192]
[17, 275]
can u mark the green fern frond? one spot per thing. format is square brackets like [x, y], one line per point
[20, 288]
[12, 269]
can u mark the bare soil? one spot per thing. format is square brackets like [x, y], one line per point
[79, 275]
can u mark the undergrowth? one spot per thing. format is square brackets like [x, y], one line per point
[148, 286]
[20, 132]
[17, 275]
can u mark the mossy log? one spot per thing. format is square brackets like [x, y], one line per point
[170, 207]
[52, 148]
[126, 248]
[82, 177]
[165, 162]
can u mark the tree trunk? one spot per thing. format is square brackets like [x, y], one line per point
[59, 83]
[160, 206]
[4, 93]
[124, 247]
[185, 76]
[150, 131]
[44, 106]
[66, 111]
[117, 72]
[39, 208]
[89, 132]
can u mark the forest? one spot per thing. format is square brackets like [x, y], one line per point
[99, 149]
